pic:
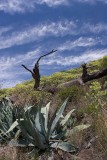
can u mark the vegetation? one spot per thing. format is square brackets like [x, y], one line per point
[60, 126]
[36, 129]
[8, 116]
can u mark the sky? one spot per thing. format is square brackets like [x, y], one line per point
[31, 28]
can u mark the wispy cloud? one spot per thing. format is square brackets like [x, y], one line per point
[78, 59]
[21, 6]
[52, 3]
[91, 1]
[48, 29]
[80, 42]
[4, 30]
[10, 66]
[33, 33]
[8, 63]
[94, 28]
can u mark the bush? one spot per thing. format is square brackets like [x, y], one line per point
[103, 62]
[73, 93]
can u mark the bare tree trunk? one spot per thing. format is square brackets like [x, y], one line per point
[35, 73]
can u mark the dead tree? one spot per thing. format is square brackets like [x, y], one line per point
[96, 75]
[78, 81]
[35, 73]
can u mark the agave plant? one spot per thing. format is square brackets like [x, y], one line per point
[7, 117]
[42, 132]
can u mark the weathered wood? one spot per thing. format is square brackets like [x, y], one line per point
[95, 75]
[78, 81]
[35, 73]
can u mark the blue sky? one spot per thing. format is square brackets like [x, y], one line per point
[30, 28]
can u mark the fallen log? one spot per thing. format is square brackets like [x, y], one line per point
[78, 81]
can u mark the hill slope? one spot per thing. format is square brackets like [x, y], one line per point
[89, 101]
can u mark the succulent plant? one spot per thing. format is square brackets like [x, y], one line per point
[7, 117]
[41, 132]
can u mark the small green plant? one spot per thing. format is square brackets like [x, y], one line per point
[103, 62]
[73, 92]
[96, 97]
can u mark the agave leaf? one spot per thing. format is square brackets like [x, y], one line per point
[77, 129]
[59, 135]
[7, 117]
[27, 108]
[31, 132]
[37, 121]
[13, 126]
[25, 133]
[45, 112]
[57, 116]
[40, 121]
[66, 118]
[65, 146]
[18, 133]
[19, 143]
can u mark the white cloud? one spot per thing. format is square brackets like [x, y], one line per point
[10, 67]
[80, 42]
[73, 60]
[94, 28]
[22, 6]
[4, 30]
[53, 3]
[52, 29]
[34, 33]
[91, 1]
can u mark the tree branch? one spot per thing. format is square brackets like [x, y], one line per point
[45, 55]
[27, 69]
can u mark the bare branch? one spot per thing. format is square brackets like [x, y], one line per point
[45, 55]
[27, 69]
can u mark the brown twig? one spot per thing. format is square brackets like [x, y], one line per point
[45, 55]
[27, 69]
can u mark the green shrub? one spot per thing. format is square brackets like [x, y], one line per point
[8, 115]
[103, 62]
[95, 98]
[73, 93]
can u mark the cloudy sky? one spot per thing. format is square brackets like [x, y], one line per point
[30, 28]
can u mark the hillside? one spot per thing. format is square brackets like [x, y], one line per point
[89, 102]
[53, 80]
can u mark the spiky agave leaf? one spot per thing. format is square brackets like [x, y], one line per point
[45, 112]
[31, 132]
[57, 115]
[65, 146]
[66, 118]
[77, 129]
[7, 117]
